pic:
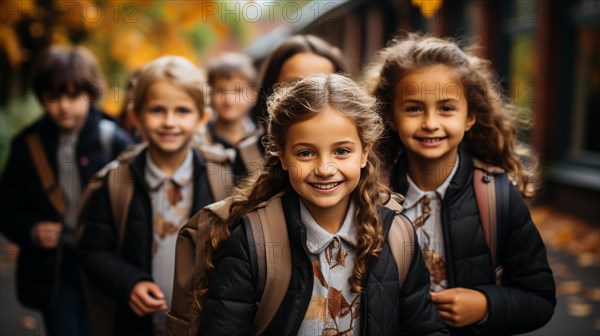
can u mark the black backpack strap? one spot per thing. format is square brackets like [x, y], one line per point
[502, 213]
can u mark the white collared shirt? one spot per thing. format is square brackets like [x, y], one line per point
[430, 235]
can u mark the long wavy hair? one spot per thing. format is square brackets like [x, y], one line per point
[291, 104]
[493, 138]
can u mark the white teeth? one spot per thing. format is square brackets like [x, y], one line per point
[431, 140]
[326, 186]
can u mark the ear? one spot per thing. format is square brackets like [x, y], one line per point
[281, 158]
[365, 156]
[471, 119]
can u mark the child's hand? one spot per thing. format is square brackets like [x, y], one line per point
[146, 298]
[47, 234]
[460, 307]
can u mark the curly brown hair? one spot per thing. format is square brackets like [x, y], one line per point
[493, 137]
[288, 105]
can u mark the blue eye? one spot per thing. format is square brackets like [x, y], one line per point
[342, 151]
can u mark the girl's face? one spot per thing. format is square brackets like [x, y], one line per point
[324, 156]
[169, 118]
[302, 65]
[430, 113]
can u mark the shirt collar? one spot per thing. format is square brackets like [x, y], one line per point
[414, 194]
[317, 239]
[182, 176]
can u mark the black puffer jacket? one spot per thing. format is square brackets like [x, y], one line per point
[386, 309]
[527, 298]
[24, 203]
[115, 274]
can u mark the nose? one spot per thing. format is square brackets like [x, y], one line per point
[64, 102]
[326, 167]
[169, 119]
[430, 122]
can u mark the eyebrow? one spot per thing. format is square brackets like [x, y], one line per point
[339, 143]
[441, 101]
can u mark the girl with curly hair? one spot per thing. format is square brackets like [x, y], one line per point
[321, 135]
[447, 116]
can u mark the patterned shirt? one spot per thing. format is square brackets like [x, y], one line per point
[333, 308]
[430, 234]
[171, 207]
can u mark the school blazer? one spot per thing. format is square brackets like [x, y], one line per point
[526, 300]
[386, 309]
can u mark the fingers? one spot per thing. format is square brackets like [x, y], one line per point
[48, 234]
[146, 297]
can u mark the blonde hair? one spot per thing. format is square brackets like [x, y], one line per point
[288, 105]
[179, 72]
[493, 137]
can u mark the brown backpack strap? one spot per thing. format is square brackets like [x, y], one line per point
[401, 239]
[45, 173]
[277, 257]
[485, 195]
[250, 153]
[218, 170]
[120, 193]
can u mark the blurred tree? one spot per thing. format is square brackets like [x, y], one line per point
[124, 35]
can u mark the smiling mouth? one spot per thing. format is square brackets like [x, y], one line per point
[430, 140]
[325, 186]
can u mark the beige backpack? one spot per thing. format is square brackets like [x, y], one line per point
[274, 270]
[120, 190]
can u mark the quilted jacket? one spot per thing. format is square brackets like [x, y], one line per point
[386, 309]
[526, 299]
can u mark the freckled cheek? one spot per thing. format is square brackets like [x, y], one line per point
[298, 171]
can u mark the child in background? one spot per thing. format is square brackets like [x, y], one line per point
[444, 111]
[321, 164]
[232, 79]
[74, 141]
[296, 57]
[170, 183]
[127, 115]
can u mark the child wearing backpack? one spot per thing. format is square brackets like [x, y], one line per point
[447, 120]
[322, 171]
[49, 164]
[232, 81]
[130, 258]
